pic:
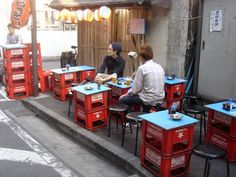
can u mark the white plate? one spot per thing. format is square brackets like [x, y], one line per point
[88, 88]
[176, 116]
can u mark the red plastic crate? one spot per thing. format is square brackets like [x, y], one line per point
[64, 79]
[61, 93]
[91, 120]
[41, 87]
[91, 102]
[20, 77]
[167, 104]
[174, 92]
[18, 91]
[30, 62]
[30, 73]
[14, 65]
[29, 50]
[225, 142]
[47, 77]
[163, 166]
[82, 75]
[115, 93]
[15, 53]
[222, 123]
[169, 142]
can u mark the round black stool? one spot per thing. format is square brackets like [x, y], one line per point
[132, 118]
[191, 106]
[116, 109]
[210, 152]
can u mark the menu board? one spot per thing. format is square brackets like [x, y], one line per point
[137, 26]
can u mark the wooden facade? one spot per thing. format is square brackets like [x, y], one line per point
[94, 37]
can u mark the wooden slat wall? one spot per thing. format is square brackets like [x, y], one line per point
[94, 37]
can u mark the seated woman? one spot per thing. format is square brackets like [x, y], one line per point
[148, 87]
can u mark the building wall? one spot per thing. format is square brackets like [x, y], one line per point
[52, 42]
[158, 34]
[217, 73]
[177, 37]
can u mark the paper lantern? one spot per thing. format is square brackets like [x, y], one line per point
[104, 12]
[72, 17]
[88, 15]
[57, 15]
[79, 15]
[96, 15]
[64, 14]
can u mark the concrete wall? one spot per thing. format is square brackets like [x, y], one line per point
[52, 42]
[177, 37]
[158, 34]
[217, 73]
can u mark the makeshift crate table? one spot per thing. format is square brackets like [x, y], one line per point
[166, 143]
[117, 90]
[91, 106]
[174, 92]
[84, 72]
[63, 78]
[221, 129]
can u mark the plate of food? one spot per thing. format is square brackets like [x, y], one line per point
[88, 87]
[176, 116]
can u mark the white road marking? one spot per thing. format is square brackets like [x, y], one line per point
[49, 159]
[3, 93]
[21, 156]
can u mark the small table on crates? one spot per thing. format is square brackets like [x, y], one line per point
[16, 70]
[221, 129]
[63, 78]
[84, 72]
[91, 105]
[174, 91]
[117, 90]
[166, 143]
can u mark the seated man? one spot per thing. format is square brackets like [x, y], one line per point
[12, 37]
[148, 87]
[113, 62]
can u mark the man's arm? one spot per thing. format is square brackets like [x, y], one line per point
[138, 81]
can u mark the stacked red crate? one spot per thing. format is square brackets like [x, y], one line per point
[83, 75]
[166, 152]
[16, 72]
[91, 109]
[47, 77]
[62, 83]
[41, 82]
[222, 132]
[174, 92]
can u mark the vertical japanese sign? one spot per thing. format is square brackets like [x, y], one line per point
[216, 19]
[20, 13]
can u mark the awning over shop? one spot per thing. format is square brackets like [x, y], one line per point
[60, 4]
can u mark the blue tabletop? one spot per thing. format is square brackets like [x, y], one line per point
[123, 86]
[219, 107]
[82, 89]
[174, 81]
[163, 120]
[72, 69]
[12, 46]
